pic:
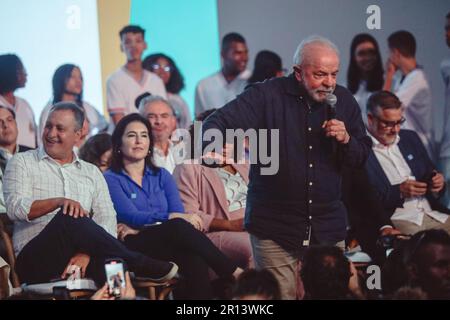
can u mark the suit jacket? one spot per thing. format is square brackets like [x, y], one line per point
[416, 156]
[3, 160]
[202, 192]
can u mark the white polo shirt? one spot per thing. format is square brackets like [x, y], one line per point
[415, 94]
[122, 90]
[214, 91]
[25, 121]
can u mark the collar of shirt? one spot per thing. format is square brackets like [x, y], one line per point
[160, 153]
[43, 155]
[6, 154]
[378, 145]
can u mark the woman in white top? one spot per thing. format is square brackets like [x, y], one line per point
[365, 71]
[167, 70]
[12, 77]
[68, 86]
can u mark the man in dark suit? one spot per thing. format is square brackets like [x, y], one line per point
[8, 137]
[402, 174]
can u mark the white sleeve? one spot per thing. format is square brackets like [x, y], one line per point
[115, 100]
[17, 189]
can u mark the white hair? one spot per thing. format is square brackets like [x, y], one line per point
[152, 99]
[300, 53]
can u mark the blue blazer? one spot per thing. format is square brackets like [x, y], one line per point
[416, 156]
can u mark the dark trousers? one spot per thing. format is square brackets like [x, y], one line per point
[178, 241]
[46, 256]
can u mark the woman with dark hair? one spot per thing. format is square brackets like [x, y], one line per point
[365, 71]
[150, 212]
[168, 71]
[68, 86]
[12, 77]
[267, 65]
[98, 150]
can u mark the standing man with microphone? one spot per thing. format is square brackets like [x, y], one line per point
[301, 204]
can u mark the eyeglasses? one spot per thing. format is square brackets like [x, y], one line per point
[165, 68]
[390, 124]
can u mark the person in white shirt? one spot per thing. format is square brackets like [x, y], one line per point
[444, 155]
[68, 86]
[169, 73]
[400, 171]
[365, 71]
[158, 111]
[12, 77]
[223, 86]
[131, 80]
[411, 87]
[62, 211]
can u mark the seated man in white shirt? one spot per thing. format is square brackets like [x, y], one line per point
[161, 115]
[223, 86]
[131, 80]
[401, 172]
[62, 211]
[411, 87]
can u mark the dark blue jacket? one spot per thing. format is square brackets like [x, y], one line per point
[421, 166]
[306, 190]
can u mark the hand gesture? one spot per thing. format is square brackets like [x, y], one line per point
[335, 128]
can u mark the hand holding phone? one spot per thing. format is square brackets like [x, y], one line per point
[115, 276]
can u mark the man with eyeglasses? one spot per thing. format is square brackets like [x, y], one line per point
[161, 116]
[401, 172]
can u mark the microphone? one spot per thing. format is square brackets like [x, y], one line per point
[331, 101]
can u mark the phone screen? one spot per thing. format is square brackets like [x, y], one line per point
[115, 276]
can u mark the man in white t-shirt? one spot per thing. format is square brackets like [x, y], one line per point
[411, 87]
[224, 85]
[12, 77]
[131, 80]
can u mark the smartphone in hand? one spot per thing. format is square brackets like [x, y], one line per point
[115, 276]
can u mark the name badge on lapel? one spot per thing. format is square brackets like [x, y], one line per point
[410, 157]
[133, 196]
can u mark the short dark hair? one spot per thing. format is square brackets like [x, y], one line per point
[257, 282]
[404, 42]
[10, 110]
[9, 67]
[229, 38]
[78, 113]
[422, 239]
[131, 29]
[267, 64]
[95, 147]
[117, 156]
[383, 100]
[59, 81]
[326, 273]
[176, 81]
[141, 97]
